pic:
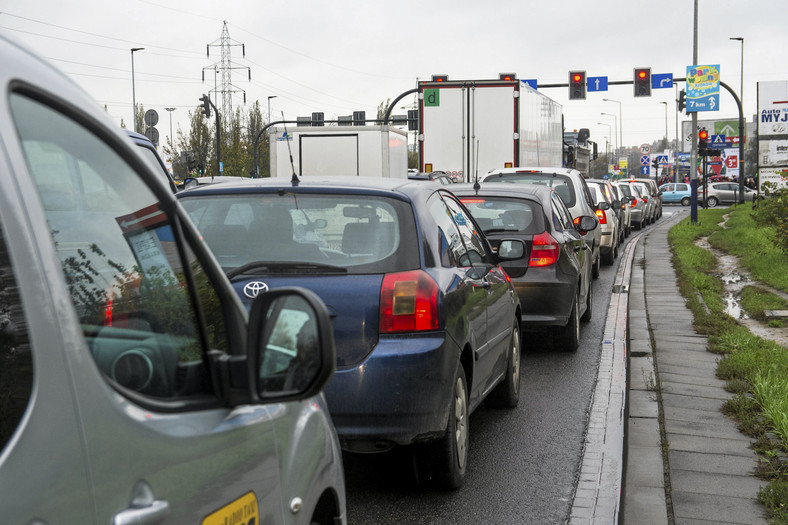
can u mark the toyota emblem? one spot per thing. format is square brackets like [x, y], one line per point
[253, 289]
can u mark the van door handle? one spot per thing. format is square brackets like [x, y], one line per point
[144, 509]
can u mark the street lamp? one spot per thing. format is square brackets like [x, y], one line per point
[742, 132]
[666, 126]
[621, 118]
[741, 88]
[269, 107]
[615, 129]
[170, 110]
[608, 133]
[133, 90]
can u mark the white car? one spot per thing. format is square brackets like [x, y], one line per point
[608, 221]
[134, 386]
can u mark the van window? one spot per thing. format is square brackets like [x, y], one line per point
[129, 282]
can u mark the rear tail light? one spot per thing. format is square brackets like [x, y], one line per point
[600, 214]
[634, 202]
[408, 302]
[544, 250]
[645, 199]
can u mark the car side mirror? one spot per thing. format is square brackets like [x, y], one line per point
[586, 223]
[515, 255]
[290, 349]
[604, 205]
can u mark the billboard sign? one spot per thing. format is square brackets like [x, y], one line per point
[703, 88]
[773, 132]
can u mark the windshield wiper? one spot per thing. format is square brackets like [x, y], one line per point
[284, 267]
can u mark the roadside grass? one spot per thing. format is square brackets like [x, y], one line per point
[756, 370]
[755, 301]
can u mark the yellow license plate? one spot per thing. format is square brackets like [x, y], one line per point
[242, 511]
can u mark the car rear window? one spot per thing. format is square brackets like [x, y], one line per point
[501, 214]
[562, 184]
[331, 232]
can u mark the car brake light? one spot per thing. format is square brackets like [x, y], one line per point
[600, 214]
[645, 199]
[108, 308]
[408, 302]
[634, 202]
[544, 250]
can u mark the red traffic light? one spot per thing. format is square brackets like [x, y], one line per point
[577, 77]
[641, 74]
[703, 134]
[440, 78]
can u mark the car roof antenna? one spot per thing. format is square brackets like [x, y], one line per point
[294, 180]
[476, 185]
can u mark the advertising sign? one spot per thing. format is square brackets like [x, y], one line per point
[703, 88]
[773, 132]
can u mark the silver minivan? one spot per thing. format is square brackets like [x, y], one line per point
[134, 387]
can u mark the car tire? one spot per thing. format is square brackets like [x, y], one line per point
[441, 463]
[712, 202]
[569, 335]
[507, 393]
[686, 201]
[589, 301]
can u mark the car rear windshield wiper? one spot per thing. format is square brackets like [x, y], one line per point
[284, 267]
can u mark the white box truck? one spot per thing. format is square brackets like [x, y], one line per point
[474, 126]
[363, 151]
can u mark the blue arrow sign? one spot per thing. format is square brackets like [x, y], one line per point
[596, 84]
[529, 82]
[661, 80]
[644, 170]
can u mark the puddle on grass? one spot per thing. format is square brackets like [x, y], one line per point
[734, 280]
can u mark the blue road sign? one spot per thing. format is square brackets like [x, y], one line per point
[703, 88]
[529, 82]
[661, 80]
[645, 160]
[644, 170]
[662, 159]
[596, 84]
[718, 141]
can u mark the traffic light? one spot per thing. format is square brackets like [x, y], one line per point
[206, 105]
[577, 85]
[413, 120]
[318, 118]
[642, 81]
[440, 78]
[655, 164]
[507, 76]
[682, 100]
[703, 136]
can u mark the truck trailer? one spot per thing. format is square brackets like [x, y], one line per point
[363, 151]
[469, 127]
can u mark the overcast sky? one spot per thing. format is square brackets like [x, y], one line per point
[346, 55]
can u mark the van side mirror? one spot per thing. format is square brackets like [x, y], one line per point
[290, 348]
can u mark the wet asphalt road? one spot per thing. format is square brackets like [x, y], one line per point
[523, 463]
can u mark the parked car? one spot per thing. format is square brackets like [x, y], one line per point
[655, 197]
[627, 204]
[440, 177]
[556, 291]
[608, 221]
[638, 205]
[676, 192]
[625, 212]
[134, 387]
[571, 187]
[426, 321]
[724, 193]
[193, 182]
[152, 156]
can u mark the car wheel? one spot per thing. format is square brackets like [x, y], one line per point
[615, 249]
[686, 201]
[507, 393]
[712, 202]
[589, 301]
[569, 335]
[441, 463]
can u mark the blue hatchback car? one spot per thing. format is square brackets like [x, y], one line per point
[426, 322]
[676, 193]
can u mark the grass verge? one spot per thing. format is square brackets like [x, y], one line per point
[756, 370]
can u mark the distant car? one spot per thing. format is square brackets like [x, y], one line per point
[649, 205]
[435, 176]
[625, 213]
[134, 387]
[608, 220]
[193, 182]
[637, 206]
[678, 192]
[556, 291]
[570, 185]
[426, 321]
[655, 197]
[152, 157]
[724, 193]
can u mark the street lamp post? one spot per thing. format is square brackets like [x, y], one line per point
[269, 107]
[608, 133]
[133, 89]
[615, 128]
[170, 110]
[742, 132]
[666, 126]
[621, 118]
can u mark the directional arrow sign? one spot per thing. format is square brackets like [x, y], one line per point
[596, 84]
[529, 82]
[661, 80]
